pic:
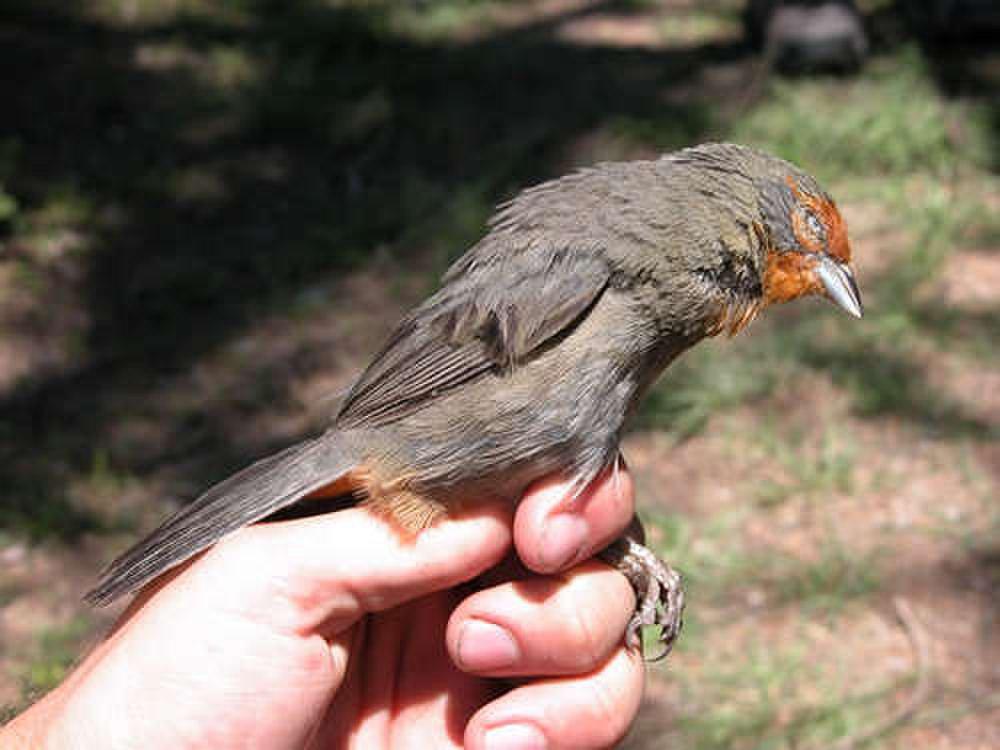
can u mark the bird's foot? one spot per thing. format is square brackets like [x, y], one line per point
[659, 594]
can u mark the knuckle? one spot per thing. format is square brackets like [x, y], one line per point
[584, 637]
[607, 714]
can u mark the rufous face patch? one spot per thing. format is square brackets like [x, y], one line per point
[834, 226]
[789, 275]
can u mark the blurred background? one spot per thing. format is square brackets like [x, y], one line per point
[211, 213]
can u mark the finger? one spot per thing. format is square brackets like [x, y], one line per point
[556, 625]
[594, 711]
[553, 530]
[402, 690]
[321, 574]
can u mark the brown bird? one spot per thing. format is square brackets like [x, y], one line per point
[541, 341]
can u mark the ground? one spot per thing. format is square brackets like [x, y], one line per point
[211, 213]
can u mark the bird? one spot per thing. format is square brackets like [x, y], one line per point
[538, 346]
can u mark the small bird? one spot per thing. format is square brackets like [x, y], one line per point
[540, 342]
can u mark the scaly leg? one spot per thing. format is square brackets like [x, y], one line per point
[658, 589]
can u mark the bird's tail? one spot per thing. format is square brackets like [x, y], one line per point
[252, 494]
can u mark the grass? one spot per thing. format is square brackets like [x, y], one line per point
[33, 512]
[706, 382]
[697, 25]
[819, 465]
[769, 716]
[826, 584]
[439, 19]
[721, 567]
[892, 121]
[750, 691]
[37, 516]
[55, 651]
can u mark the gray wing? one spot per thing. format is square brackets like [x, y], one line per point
[490, 317]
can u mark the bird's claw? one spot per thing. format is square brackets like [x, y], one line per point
[659, 594]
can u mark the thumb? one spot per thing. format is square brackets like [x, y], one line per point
[327, 571]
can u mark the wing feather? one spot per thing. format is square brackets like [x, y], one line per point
[492, 317]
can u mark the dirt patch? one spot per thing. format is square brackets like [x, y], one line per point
[917, 521]
[970, 281]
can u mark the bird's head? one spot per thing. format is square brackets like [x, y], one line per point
[807, 247]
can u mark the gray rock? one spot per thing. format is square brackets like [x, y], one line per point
[802, 36]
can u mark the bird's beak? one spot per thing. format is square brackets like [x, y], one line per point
[839, 285]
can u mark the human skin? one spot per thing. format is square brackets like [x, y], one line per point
[295, 635]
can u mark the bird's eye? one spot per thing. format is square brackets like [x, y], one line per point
[814, 224]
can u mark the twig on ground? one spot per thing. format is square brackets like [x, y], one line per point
[920, 644]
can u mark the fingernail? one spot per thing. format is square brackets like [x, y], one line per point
[514, 737]
[483, 645]
[563, 539]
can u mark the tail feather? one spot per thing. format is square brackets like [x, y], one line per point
[252, 494]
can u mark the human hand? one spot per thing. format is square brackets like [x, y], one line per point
[332, 631]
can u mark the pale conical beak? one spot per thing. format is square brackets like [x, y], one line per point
[841, 288]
